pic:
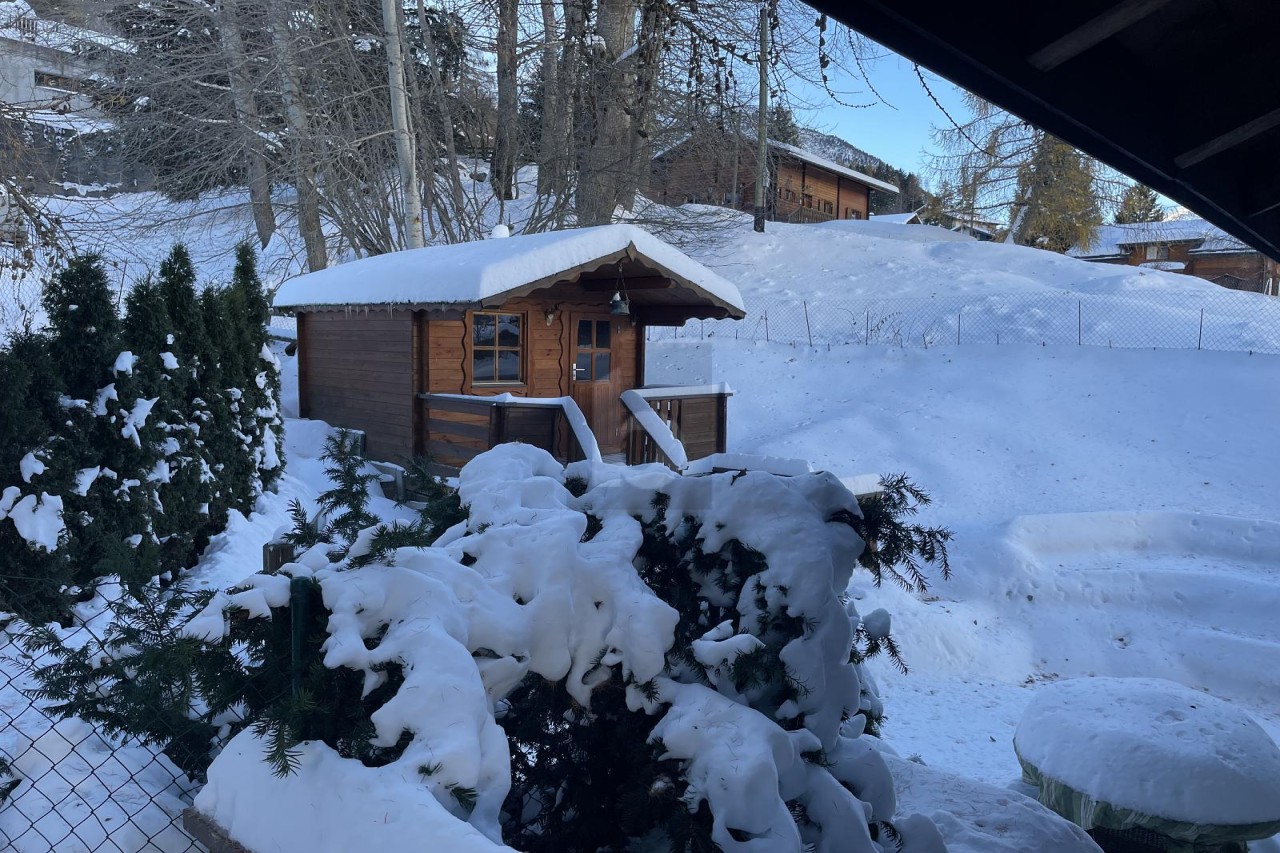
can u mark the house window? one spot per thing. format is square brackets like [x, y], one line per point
[1158, 252]
[59, 82]
[827, 207]
[496, 347]
[852, 213]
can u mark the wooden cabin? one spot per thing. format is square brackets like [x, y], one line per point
[449, 350]
[1188, 245]
[720, 169]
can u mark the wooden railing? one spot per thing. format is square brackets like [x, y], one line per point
[676, 424]
[460, 427]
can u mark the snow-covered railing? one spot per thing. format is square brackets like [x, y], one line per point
[674, 424]
[462, 426]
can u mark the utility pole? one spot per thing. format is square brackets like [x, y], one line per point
[405, 157]
[762, 124]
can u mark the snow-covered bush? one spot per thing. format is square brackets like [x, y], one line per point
[655, 656]
[125, 443]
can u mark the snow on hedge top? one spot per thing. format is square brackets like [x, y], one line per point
[477, 272]
[1154, 747]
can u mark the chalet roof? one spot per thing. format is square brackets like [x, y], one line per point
[803, 155]
[1110, 241]
[1056, 65]
[832, 166]
[910, 218]
[486, 273]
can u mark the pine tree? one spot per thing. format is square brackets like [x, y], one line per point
[1059, 204]
[1139, 204]
[782, 125]
[260, 415]
[83, 326]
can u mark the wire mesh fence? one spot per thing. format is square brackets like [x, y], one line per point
[68, 785]
[1228, 321]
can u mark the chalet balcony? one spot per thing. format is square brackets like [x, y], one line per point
[671, 425]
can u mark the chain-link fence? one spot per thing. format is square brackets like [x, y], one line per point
[70, 786]
[1150, 319]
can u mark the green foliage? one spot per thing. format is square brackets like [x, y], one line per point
[1059, 201]
[1139, 204]
[440, 505]
[139, 679]
[83, 323]
[895, 548]
[345, 504]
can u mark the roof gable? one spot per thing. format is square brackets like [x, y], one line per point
[1116, 240]
[488, 272]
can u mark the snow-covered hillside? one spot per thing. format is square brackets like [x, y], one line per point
[1114, 509]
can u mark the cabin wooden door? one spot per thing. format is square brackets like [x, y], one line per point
[596, 376]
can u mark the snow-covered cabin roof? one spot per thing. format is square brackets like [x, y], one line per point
[911, 218]
[832, 166]
[1112, 241]
[486, 273]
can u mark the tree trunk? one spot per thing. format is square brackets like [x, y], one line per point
[264, 218]
[405, 157]
[553, 144]
[452, 181]
[301, 141]
[605, 166]
[503, 164]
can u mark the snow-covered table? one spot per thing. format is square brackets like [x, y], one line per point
[1130, 753]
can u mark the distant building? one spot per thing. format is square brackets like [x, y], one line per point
[1191, 246]
[51, 134]
[720, 169]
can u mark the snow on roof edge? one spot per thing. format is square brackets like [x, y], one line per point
[477, 272]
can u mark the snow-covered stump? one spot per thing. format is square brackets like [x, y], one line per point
[1150, 758]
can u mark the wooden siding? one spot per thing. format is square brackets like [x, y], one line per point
[1247, 270]
[355, 370]
[704, 172]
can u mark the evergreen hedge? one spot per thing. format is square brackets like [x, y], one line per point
[146, 429]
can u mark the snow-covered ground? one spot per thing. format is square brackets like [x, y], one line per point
[1114, 509]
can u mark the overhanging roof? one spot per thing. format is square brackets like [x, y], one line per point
[487, 273]
[1179, 94]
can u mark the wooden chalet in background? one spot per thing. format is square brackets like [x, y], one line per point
[449, 350]
[1192, 246]
[720, 169]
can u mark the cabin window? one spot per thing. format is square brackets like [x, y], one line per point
[1158, 252]
[827, 207]
[852, 213]
[496, 347]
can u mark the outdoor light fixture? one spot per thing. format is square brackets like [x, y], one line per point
[619, 305]
[550, 316]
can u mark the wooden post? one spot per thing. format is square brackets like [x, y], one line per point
[762, 124]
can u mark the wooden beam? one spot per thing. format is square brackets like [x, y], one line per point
[609, 285]
[1093, 32]
[1228, 140]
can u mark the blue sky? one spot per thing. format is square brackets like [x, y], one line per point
[895, 129]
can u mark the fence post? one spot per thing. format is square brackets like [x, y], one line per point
[1200, 337]
[299, 589]
[766, 326]
[958, 313]
[807, 330]
[867, 340]
[1079, 322]
[702, 330]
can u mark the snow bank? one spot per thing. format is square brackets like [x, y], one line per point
[330, 805]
